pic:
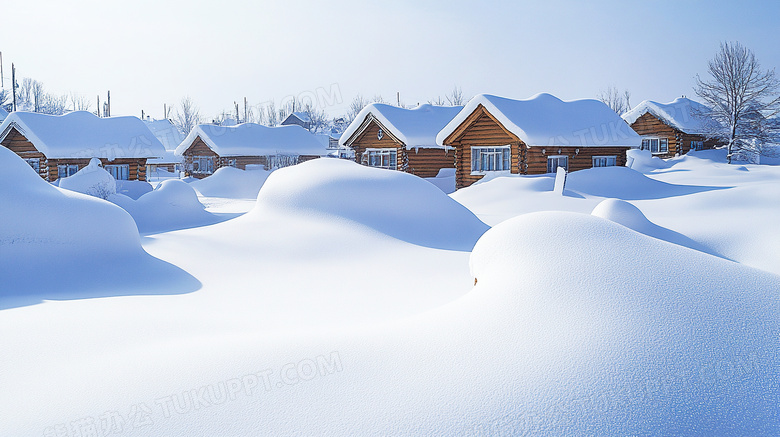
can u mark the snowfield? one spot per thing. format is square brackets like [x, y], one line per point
[359, 301]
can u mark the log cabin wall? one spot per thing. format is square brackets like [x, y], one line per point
[426, 163]
[422, 162]
[480, 129]
[580, 158]
[47, 168]
[368, 139]
[650, 125]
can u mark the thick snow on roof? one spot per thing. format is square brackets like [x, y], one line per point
[414, 127]
[679, 114]
[3, 113]
[250, 139]
[302, 116]
[169, 135]
[168, 157]
[82, 134]
[545, 120]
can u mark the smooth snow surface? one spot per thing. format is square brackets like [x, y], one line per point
[391, 202]
[415, 127]
[172, 205]
[445, 180]
[60, 244]
[232, 182]
[82, 134]
[169, 135]
[251, 139]
[323, 312]
[644, 161]
[545, 120]
[682, 113]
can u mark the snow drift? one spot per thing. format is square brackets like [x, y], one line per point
[232, 182]
[628, 215]
[52, 237]
[92, 180]
[172, 205]
[398, 204]
[626, 184]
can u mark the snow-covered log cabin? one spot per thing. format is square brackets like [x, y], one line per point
[394, 138]
[209, 147]
[668, 129]
[535, 136]
[58, 146]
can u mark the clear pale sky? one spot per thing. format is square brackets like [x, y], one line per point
[153, 52]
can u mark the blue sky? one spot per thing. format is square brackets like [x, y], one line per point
[149, 53]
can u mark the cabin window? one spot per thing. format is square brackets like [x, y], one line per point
[655, 145]
[604, 161]
[120, 172]
[553, 162]
[34, 163]
[280, 161]
[490, 159]
[67, 170]
[203, 164]
[697, 145]
[381, 158]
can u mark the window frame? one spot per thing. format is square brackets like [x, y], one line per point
[116, 174]
[659, 140]
[68, 168]
[198, 159]
[607, 157]
[381, 157]
[497, 157]
[557, 158]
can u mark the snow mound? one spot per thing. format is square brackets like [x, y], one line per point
[394, 203]
[644, 161]
[628, 215]
[232, 182]
[54, 240]
[601, 346]
[92, 180]
[172, 205]
[133, 189]
[445, 180]
[625, 183]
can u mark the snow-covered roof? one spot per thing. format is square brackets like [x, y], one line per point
[302, 116]
[679, 114]
[545, 120]
[250, 139]
[81, 134]
[414, 127]
[169, 135]
[169, 157]
[3, 113]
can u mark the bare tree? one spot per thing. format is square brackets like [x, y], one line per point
[357, 105]
[742, 99]
[617, 101]
[5, 100]
[80, 102]
[455, 97]
[188, 117]
[438, 101]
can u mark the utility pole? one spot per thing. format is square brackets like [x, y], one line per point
[237, 120]
[142, 115]
[245, 113]
[2, 83]
[165, 111]
[98, 105]
[13, 83]
[398, 96]
[107, 112]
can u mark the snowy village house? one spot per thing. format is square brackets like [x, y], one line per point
[668, 129]
[58, 146]
[209, 147]
[494, 135]
[394, 138]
